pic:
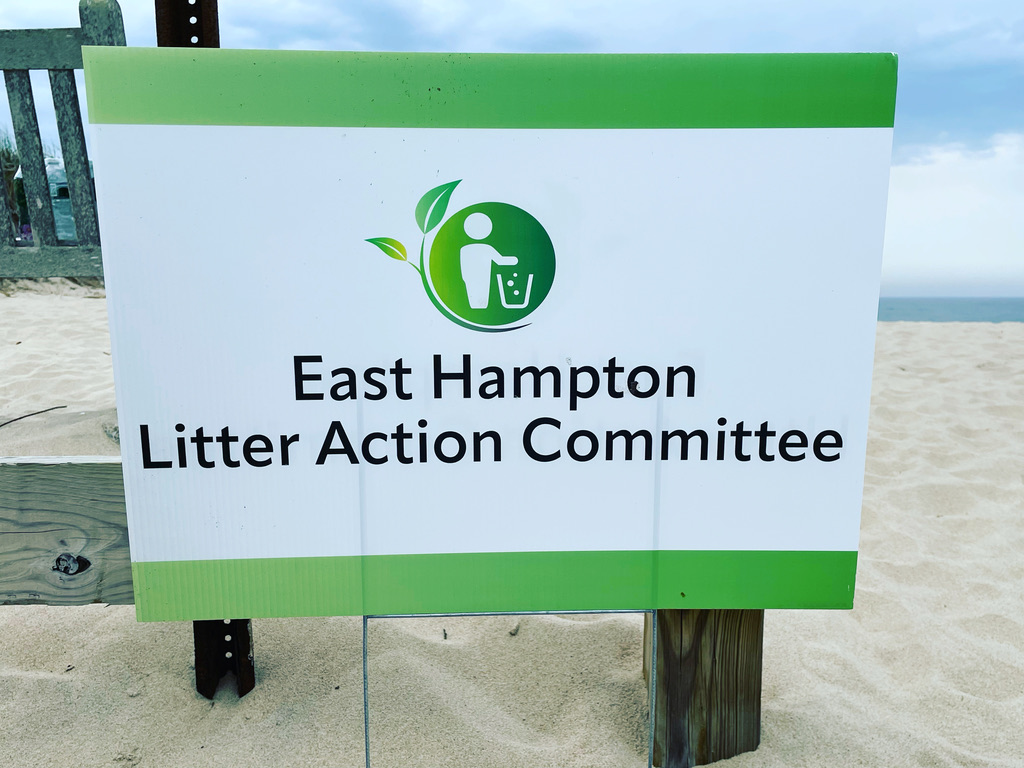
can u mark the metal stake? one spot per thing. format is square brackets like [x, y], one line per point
[366, 697]
[653, 703]
[222, 647]
[187, 24]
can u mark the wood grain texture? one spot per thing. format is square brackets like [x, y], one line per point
[49, 509]
[102, 23]
[7, 207]
[41, 48]
[30, 151]
[76, 157]
[51, 261]
[708, 698]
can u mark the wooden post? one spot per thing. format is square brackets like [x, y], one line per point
[76, 158]
[30, 150]
[708, 698]
[102, 23]
[7, 204]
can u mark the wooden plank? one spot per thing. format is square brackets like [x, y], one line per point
[41, 48]
[102, 23]
[708, 698]
[76, 157]
[30, 150]
[7, 206]
[63, 532]
[51, 261]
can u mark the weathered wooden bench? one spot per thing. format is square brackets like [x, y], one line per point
[59, 52]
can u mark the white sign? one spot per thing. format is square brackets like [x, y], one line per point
[415, 369]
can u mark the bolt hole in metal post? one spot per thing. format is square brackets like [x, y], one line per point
[651, 689]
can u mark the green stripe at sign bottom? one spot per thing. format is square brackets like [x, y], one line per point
[483, 582]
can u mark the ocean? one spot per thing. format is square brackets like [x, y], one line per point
[949, 310]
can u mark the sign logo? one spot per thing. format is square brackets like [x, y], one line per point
[488, 266]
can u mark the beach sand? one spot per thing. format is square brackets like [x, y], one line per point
[927, 670]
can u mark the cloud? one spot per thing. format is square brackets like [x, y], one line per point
[955, 225]
[41, 14]
[961, 64]
[944, 30]
[955, 209]
[937, 33]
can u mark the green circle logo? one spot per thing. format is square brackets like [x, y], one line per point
[489, 265]
[492, 264]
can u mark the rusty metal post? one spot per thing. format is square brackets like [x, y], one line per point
[187, 24]
[221, 646]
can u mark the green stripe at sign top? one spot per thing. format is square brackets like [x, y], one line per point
[179, 86]
[487, 582]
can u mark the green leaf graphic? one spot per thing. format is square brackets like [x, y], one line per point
[431, 207]
[391, 247]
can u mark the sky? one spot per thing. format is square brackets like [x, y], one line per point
[955, 223]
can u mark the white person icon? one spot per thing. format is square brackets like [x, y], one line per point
[476, 259]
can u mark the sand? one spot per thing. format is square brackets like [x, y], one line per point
[927, 670]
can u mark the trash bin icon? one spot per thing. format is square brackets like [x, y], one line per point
[520, 298]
